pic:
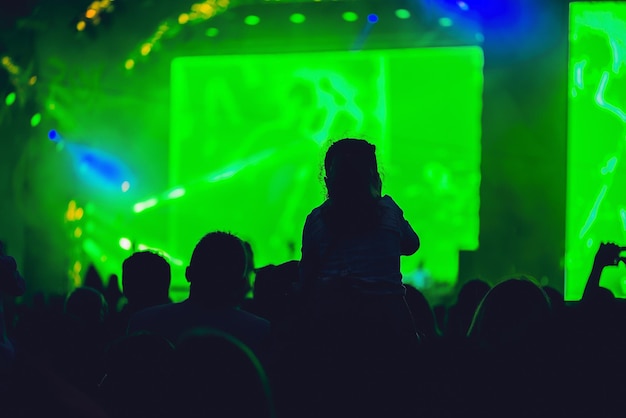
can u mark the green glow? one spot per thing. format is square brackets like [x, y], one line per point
[35, 120]
[350, 17]
[224, 175]
[403, 14]
[172, 260]
[92, 249]
[446, 22]
[212, 32]
[253, 166]
[297, 18]
[177, 262]
[596, 144]
[10, 99]
[252, 20]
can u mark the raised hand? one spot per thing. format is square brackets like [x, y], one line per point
[608, 254]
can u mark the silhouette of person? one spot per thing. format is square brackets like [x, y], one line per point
[82, 337]
[218, 274]
[356, 237]
[422, 313]
[113, 293]
[359, 323]
[146, 278]
[512, 335]
[608, 254]
[93, 279]
[461, 314]
[12, 284]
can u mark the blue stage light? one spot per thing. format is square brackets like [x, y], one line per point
[100, 169]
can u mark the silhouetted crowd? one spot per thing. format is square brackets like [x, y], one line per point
[334, 334]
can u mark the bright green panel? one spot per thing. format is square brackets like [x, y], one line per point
[248, 135]
[596, 203]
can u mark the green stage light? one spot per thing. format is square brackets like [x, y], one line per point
[10, 99]
[596, 177]
[35, 120]
[252, 20]
[445, 22]
[297, 18]
[350, 17]
[212, 32]
[403, 14]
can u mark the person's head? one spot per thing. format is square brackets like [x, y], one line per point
[219, 270]
[461, 314]
[352, 171]
[353, 186]
[86, 306]
[146, 278]
[472, 293]
[514, 312]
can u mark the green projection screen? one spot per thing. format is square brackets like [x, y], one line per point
[596, 190]
[248, 135]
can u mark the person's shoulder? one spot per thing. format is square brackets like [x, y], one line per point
[388, 202]
[392, 214]
[317, 212]
[314, 222]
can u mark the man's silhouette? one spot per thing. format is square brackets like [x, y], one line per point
[219, 280]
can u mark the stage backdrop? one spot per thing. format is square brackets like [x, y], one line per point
[248, 135]
[596, 199]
